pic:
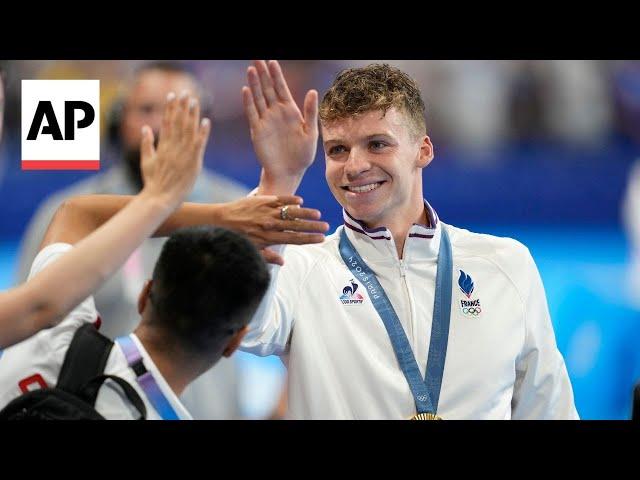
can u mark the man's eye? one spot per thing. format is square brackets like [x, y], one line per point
[336, 150]
[146, 109]
[377, 145]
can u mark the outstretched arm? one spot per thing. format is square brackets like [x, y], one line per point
[257, 217]
[169, 173]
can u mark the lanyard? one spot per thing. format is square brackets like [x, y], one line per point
[426, 393]
[145, 379]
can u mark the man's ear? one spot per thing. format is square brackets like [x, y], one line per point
[426, 152]
[144, 296]
[234, 343]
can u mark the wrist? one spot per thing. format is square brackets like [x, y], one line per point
[217, 214]
[272, 183]
[159, 202]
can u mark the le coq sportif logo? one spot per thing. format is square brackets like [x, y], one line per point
[60, 124]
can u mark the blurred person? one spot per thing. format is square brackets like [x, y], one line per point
[473, 104]
[578, 107]
[625, 79]
[631, 221]
[180, 336]
[396, 315]
[117, 298]
[170, 173]
[526, 98]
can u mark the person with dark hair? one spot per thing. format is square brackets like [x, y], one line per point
[397, 315]
[216, 394]
[205, 287]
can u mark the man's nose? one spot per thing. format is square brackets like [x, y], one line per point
[356, 163]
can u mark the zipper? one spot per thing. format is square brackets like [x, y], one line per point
[409, 310]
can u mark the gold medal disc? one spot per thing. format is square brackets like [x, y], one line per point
[425, 416]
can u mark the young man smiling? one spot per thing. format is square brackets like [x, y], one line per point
[396, 315]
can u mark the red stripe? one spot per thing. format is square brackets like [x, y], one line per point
[60, 164]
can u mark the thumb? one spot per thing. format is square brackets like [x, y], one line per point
[146, 144]
[271, 257]
[311, 109]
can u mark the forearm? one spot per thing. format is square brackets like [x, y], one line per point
[81, 215]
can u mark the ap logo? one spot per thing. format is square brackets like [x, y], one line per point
[60, 124]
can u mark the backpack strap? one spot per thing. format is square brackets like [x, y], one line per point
[85, 359]
[82, 372]
[90, 392]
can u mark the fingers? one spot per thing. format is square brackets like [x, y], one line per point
[146, 144]
[181, 115]
[272, 257]
[203, 136]
[250, 109]
[308, 226]
[281, 200]
[311, 109]
[279, 83]
[294, 212]
[291, 238]
[256, 90]
[266, 82]
[167, 116]
[192, 117]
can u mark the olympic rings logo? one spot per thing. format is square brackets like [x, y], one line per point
[472, 311]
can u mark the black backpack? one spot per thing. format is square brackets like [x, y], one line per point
[81, 376]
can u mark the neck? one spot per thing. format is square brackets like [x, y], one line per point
[171, 363]
[400, 225]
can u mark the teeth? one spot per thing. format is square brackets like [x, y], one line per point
[365, 188]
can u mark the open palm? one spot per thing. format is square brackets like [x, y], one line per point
[283, 138]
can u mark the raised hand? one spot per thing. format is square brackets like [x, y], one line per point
[284, 138]
[259, 217]
[171, 169]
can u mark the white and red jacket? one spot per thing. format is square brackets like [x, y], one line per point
[36, 362]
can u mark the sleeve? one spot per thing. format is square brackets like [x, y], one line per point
[33, 237]
[47, 256]
[271, 326]
[542, 387]
[85, 312]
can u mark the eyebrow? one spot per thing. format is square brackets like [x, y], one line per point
[368, 138]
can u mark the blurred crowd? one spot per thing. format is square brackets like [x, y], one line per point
[477, 104]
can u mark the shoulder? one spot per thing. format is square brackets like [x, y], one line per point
[510, 256]
[315, 253]
[300, 260]
[84, 187]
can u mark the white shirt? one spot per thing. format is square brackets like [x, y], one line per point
[502, 363]
[36, 362]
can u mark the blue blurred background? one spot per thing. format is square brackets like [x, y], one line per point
[541, 151]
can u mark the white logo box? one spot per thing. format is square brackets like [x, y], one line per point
[47, 153]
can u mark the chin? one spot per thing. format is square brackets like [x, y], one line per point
[364, 213]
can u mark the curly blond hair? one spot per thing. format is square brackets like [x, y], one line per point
[374, 87]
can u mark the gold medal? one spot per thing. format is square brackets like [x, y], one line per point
[425, 416]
